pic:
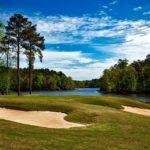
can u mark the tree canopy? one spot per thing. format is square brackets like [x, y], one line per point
[127, 78]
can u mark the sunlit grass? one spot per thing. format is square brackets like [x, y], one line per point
[110, 127]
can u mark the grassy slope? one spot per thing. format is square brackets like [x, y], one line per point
[111, 128]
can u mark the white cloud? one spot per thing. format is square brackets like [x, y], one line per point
[61, 61]
[136, 45]
[114, 2]
[88, 72]
[137, 8]
[146, 13]
[105, 7]
[74, 56]
[65, 29]
[55, 59]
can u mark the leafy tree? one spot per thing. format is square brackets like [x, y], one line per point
[5, 50]
[127, 80]
[1, 31]
[138, 65]
[122, 63]
[147, 60]
[38, 81]
[124, 78]
[4, 84]
[106, 82]
[17, 25]
[146, 78]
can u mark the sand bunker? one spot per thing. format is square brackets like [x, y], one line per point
[136, 110]
[38, 118]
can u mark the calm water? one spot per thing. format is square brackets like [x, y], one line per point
[91, 92]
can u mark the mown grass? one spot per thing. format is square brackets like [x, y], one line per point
[110, 128]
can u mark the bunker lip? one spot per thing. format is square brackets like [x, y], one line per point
[140, 111]
[46, 119]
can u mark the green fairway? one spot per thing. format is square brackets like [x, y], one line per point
[110, 127]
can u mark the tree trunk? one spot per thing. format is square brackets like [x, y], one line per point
[18, 67]
[30, 73]
[7, 70]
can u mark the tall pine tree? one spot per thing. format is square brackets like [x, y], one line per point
[33, 45]
[17, 25]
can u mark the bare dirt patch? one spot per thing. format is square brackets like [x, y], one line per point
[38, 118]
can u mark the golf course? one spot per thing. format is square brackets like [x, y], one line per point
[75, 75]
[105, 124]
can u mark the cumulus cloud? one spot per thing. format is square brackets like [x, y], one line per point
[67, 63]
[65, 29]
[82, 30]
[88, 71]
[57, 59]
[136, 44]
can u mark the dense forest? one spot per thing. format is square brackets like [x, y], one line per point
[94, 83]
[127, 78]
[43, 79]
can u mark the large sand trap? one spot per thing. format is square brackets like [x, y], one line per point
[38, 118]
[136, 110]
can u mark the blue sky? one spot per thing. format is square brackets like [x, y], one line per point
[84, 37]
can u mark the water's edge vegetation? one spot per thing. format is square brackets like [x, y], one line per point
[127, 78]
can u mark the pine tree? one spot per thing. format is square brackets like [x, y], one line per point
[33, 45]
[17, 25]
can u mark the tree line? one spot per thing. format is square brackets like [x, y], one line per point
[43, 80]
[127, 78]
[94, 83]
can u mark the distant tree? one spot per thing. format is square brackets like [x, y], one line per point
[146, 78]
[38, 81]
[5, 50]
[122, 63]
[138, 65]
[1, 31]
[127, 80]
[4, 78]
[147, 60]
[124, 78]
[106, 82]
[33, 45]
[17, 25]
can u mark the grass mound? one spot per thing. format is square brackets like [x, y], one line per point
[110, 128]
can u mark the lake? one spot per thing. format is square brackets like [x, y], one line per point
[92, 92]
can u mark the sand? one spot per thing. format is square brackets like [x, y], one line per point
[145, 112]
[46, 119]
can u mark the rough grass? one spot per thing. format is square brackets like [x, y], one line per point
[110, 128]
